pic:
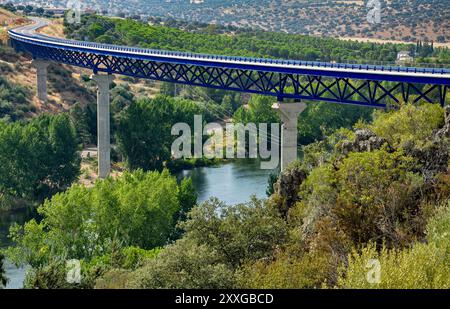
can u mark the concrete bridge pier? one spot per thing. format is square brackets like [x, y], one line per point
[289, 113]
[103, 124]
[41, 78]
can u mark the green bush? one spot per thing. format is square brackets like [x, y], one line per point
[14, 100]
[218, 240]
[307, 271]
[136, 209]
[238, 233]
[410, 124]
[113, 279]
[133, 257]
[369, 195]
[424, 266]
[49, 276]
[185, 264]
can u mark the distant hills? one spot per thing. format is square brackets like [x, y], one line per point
[401, 20]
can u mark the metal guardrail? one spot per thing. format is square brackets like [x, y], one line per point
[380, 67]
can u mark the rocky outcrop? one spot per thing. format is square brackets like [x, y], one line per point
[288, 186]
[445, 131]
[365, 140]
[434, 156]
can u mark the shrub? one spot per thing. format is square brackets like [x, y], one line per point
[14, 99]
[411, 124]
[424, 266]
[307, 271]
[218, 240]
[50, 276]
[185, 264]
[237, 233]
[368, 196]
[378, 197]
[136, 209]
[113, 279]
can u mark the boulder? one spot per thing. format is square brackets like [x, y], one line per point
[287, 187]
[365, 140]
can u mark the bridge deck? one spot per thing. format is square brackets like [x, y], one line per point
[184, 67]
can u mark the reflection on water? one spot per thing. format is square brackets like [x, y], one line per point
[15, 275]
[19, 216]
[232, 183]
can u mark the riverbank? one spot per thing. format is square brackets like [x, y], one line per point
[233, 182]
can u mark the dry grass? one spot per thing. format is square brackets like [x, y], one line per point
[25, 75]
[55, 28]
[89, 171]
[9, 20]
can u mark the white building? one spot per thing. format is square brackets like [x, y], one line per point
[404, 57]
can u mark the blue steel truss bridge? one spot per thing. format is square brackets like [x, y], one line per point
[357, 84]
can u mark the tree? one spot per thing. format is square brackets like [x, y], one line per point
[259, 110]
[79, 118]
[136, 209]
[188, 199]
[39, 10]
[219, 239]
[238, 233]
[321, 119]
[143, 134]
[40, 158]
[64, 157]
[144, 130]
[28, 9]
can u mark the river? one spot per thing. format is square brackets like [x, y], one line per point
[233, 183]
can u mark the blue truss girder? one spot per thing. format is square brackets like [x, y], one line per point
[359, 88]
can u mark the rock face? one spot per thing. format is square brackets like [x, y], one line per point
[365, 140]
[287, 187]
[434, 156]
[445, 131]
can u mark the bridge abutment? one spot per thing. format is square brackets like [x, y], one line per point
[41, 78]
[103, 124]
[289, 113]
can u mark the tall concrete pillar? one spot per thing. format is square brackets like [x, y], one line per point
[103, 125]
[289, 113]
[41, 78]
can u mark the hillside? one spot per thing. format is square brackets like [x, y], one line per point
[66, 85]
[8, 20]
[401, 20]
[246, 43]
